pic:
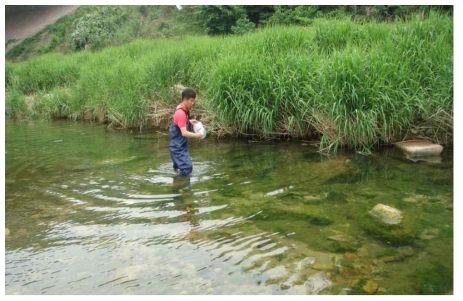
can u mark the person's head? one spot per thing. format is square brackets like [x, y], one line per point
[188, 97]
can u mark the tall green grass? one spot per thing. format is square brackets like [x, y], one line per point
[354, 84]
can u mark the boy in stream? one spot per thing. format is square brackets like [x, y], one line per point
[179, 131]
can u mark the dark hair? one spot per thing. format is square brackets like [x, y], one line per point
[188, 93]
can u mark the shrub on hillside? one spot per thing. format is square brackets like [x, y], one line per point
[95, 30]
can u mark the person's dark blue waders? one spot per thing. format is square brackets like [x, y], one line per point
[178, 147]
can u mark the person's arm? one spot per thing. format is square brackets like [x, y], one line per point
[187, 134]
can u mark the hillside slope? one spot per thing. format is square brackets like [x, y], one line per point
[22, 25]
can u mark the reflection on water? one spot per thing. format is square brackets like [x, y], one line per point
[89, 211]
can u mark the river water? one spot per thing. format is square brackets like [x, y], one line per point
[89, 210]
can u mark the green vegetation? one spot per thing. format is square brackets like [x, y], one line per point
[96, 27]
[434, 279]
[355, 84]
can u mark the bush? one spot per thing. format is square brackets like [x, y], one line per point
[96, 29]
[242, 26]
[219, 19]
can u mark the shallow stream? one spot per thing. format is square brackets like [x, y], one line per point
[94, 211]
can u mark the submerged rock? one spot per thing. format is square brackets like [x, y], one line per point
[22, 232]
[362, 252]
[317, 283]
[362, 285]
[370, 287]
[311, 198]
[411, 200]
[400, 254]
[429, 234]
[406, 251]
[403, 233]
[387, 214]
[341, 238]
[7, 232]
[382, 290]
[350, 256]
[305, 263]
[391, 258]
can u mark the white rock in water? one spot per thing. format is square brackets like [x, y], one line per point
[305, 263]
[387, 214]
[420, 148]
[199, 128]
[317, 283]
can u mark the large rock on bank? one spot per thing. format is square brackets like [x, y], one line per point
[420, 148]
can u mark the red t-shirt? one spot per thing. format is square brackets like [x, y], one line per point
[180, 116]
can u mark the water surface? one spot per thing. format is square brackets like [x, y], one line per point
[95, 211]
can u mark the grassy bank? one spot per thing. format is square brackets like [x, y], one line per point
[352, 84]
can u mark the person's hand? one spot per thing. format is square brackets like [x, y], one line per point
[199, 135]
[193, 121]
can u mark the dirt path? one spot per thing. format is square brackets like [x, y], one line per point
[25, 24]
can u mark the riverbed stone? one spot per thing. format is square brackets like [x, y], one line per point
[402, 234]
[362, 252]
[382, 290]
[391, 258]
[411, 200]
[304, 263]
[341, 238]
[420, 148]
[22, 232]
[7, 232]
[350, 256]
[317, 283]
[311, 198]
[406, 251]
[428, 234]
[370, 287]
[322, 267]
[387, 214]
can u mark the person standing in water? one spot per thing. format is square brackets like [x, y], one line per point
[179, 131]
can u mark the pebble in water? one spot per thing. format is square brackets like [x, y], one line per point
[387, 214]
[305, 263]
